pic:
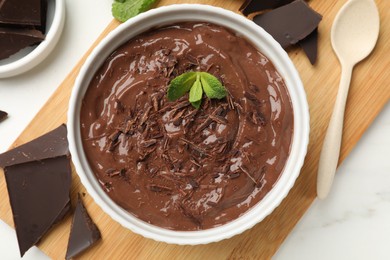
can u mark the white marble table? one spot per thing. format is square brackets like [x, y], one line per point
[353, 223]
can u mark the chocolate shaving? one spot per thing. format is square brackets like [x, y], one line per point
[260, 180]
[230, 102]
[218, 119]
[155, 102]
[203, 125]
[257, 118]
[110, 170]
[215, 175]
[195, 147]
[146, 153]
[166, 142]
[224, 168]
[211, 203]
[107, 186]
[172, 61]
[192, 59]
[157, 136]
[248, 174]
[234, 175]
[254, 88]
[211, 187]
[158, 188]
[112, 145]
[191, 114]
[182, 104]
[252, 97]
[119, 106]
[221, 148]
[148, 143]
[114, 136]
[195, 162]
[113, 172]
[145, 115]
[178, 117]
[194, 183]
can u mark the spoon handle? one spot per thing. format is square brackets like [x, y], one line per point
[331, 147]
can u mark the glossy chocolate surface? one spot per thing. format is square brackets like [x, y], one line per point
[168, 163]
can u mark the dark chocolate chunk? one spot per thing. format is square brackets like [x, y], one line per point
[84, 232]
[13, 40]
[21, 12]
[253, 6]
[3, 115]
[52, 144]
[290, 23]
[39, 193]
[310, 46]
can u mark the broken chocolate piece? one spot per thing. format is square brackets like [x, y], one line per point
[39, 193]
[290, 23]
[310, 46]
[84, 232]
[52, 144]
[21, 12]
[13, 40]
[253, 6]
[3, 115]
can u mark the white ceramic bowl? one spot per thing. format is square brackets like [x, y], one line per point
[29, 57]
[259, 38]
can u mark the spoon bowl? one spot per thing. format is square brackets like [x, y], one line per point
[354, 34]
[355, 30]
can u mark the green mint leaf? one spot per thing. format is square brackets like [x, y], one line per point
[123, 10]
[196, 83]
[212, 86]
[196, 92]
[181, 85]
[196, 104]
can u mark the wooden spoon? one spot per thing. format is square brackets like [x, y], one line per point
[354, 34]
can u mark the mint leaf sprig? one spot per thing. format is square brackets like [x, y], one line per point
[123, 10]
[196, 83]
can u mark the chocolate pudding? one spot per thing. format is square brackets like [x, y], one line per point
[173, 165]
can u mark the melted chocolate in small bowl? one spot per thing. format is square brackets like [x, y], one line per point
[175, 166]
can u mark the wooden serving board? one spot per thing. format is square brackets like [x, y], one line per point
[369, 92]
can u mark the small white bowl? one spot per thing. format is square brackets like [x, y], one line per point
[260, 39]
[29, 57]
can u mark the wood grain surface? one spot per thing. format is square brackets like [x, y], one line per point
[369, 92]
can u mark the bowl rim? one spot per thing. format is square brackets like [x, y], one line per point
[283, 65]
[41, 51]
